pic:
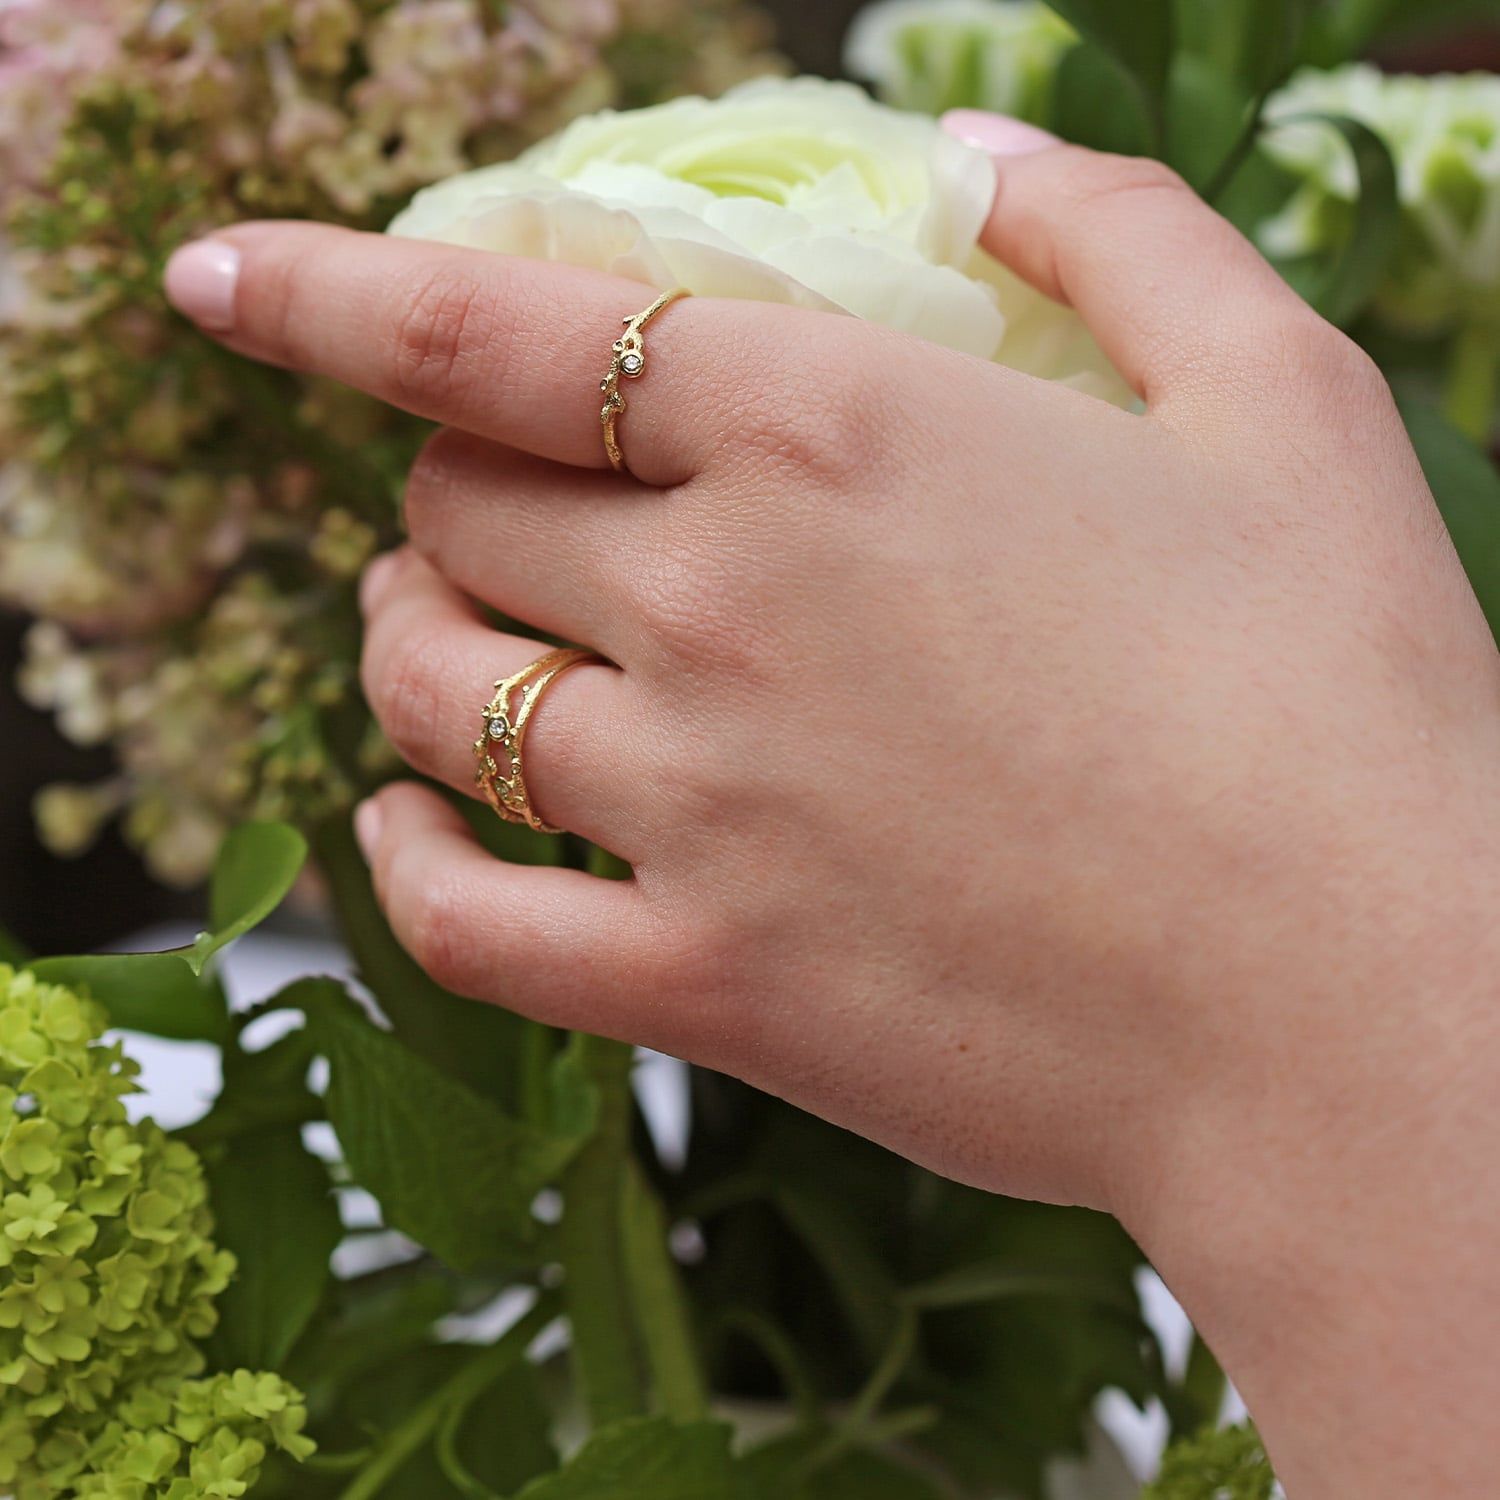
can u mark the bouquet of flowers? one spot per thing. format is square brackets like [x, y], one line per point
[775, 1306]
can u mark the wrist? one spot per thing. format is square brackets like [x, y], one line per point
[1326, 1209]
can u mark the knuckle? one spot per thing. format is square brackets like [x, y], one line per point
[832, 423]
[406, 697]
[272, 289]
[838, 434]
[442, 331]
[695, 608]
[698, 969]
[1324, 370]
[439, 933]
[429, 485]
[1102, 179]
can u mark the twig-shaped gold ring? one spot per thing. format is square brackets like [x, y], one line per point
[627, 362]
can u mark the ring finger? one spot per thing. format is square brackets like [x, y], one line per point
[429, 665]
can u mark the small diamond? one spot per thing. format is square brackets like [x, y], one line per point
[633, 363]
[499, 727]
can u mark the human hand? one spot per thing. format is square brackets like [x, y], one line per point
[1045, 791]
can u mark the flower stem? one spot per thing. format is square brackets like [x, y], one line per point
[487, 1366]
[662, 1315]
[590, 1242]
[1472, 388]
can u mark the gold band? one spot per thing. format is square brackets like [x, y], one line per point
[497, 751]
[627, 362]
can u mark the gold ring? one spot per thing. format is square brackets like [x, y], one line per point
[628, 362]
[497, 751]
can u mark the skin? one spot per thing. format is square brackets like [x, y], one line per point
[1093, 807]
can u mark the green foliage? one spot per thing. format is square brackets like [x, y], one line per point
[647, 1458]
[168, 994]
[1467, 489]
[916, 1338]
[1346, 287]
[275, 1210]
[449, 1167]
[152, 992]
[1138, 37]
[256, 867]
[1228, 1464]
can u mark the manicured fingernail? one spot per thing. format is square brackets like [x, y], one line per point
[368, 819]
[376, 579]
[1000, 135]
[199, 283]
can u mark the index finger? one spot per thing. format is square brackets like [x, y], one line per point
[506, 348]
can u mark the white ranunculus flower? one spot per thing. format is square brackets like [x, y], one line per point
[796, 191]
[935, 55]
[1444, 135]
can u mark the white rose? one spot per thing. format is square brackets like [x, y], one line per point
[796, 191]
[934, 55]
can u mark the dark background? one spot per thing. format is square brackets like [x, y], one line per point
[68, 906]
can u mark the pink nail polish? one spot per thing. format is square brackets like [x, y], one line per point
[199, 283]
[368, 821]
[999, 135]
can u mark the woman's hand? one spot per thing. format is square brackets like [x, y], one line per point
[1090, 806]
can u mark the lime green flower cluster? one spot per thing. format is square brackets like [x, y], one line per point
[1444, 134]
[144, 473]
[109, 1274]
[934, 55]
[1227, 1464]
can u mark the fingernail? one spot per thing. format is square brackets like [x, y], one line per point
[368, 819]
[1000, 135]
[376, 579]
[199, 283]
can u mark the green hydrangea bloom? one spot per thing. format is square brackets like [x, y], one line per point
[935, 55]
[1227, 1464]
[1444, 134]
[108, 1273]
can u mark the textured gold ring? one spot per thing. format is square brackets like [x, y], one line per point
[497, 751]
[627, 362]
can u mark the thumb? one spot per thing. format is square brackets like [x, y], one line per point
[1168, 287]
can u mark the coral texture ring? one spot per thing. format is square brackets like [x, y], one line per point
[498, 750]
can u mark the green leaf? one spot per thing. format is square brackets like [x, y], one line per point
[274, 1208]
[480, 1045]
[1249, 43]
[857, 1475]
[1467, 489]
[374, 1323]
[646, 1458]
[167, 993]
[1095, 103]
[255, 869]
[1138, 36]
[12, 950]
[1342, 291]
[993, 1281]
[498, 1441]
[151, 992]
[449, 1167]
[1231, 56]
[417, 1405]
